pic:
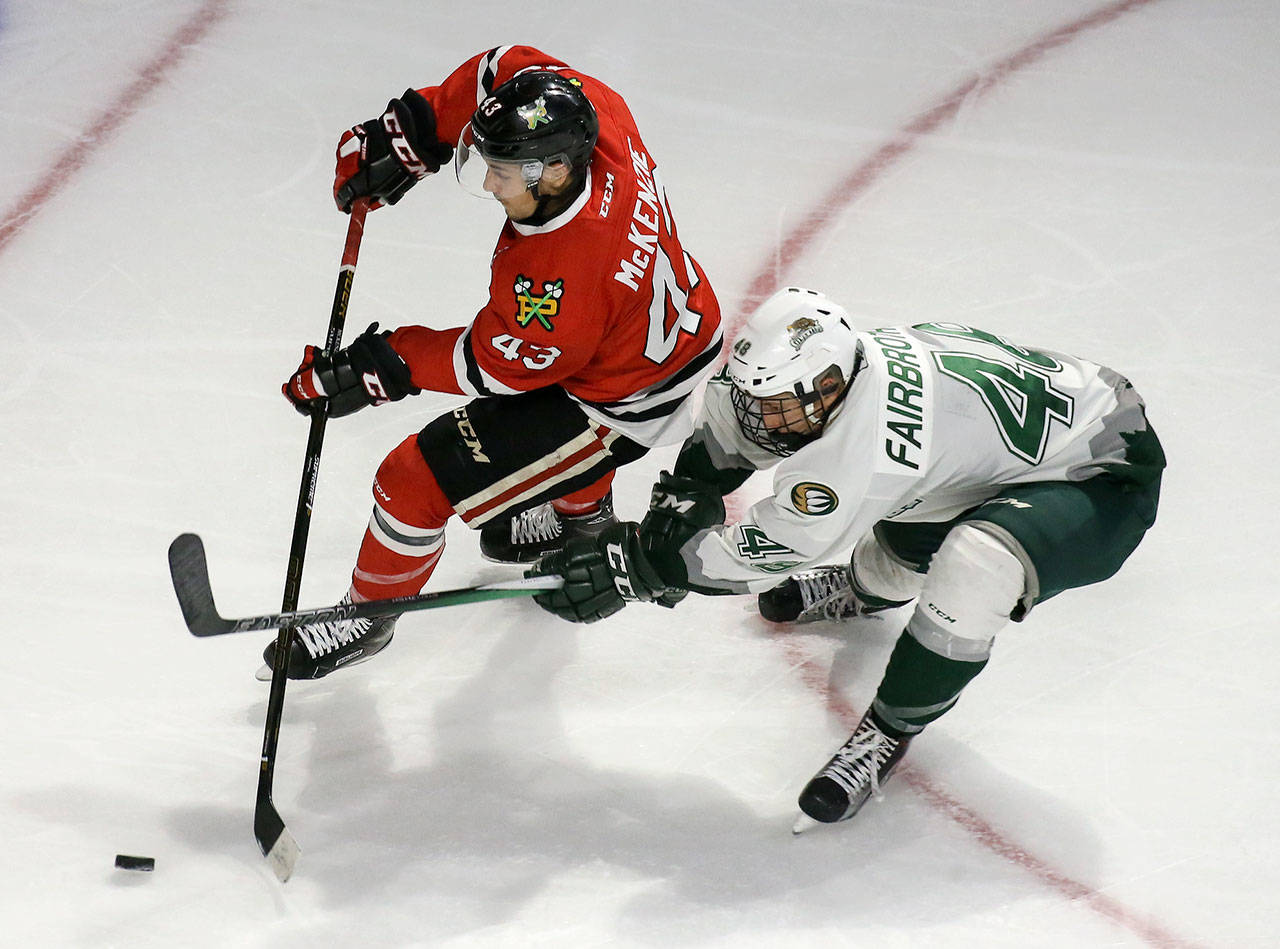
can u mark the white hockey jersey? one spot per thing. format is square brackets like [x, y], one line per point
[939, 420]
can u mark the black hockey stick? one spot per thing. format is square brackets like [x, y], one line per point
[190, 572]
[277, 844]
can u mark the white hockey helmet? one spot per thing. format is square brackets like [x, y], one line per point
[791, 366]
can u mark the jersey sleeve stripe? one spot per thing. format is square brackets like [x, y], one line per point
[473, 380]
[487, 72]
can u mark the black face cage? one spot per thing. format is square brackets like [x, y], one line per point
[749, 412]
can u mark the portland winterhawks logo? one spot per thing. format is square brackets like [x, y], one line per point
[541, 307]
[535, 113]
[809, 497]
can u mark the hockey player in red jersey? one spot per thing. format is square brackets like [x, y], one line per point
[597, 329]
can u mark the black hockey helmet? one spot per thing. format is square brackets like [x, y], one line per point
[533, 120]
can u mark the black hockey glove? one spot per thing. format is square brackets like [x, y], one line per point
[383, 158]
[600, 574]
[368, 372]
[679, 507]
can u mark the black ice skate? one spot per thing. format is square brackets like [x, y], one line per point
[857, 771]
[820, 593]
[540, 530]
[325, 647]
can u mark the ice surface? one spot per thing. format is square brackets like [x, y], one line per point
[498, 778]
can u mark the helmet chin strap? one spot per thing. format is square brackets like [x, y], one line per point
[549, 205]
[818, 421]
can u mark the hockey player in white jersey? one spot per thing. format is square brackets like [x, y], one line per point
[970, 474]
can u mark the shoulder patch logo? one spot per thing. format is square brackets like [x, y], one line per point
[541, 308]
[809, 497]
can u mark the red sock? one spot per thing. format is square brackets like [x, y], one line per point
[585, 500]
[405, 536]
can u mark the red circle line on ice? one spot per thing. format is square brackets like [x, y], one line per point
[119, 110]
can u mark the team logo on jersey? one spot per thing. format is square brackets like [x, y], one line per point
[535, 113]
[802, 329]
[531, 306]
[809, 497]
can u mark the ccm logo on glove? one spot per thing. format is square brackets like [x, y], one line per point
[400, 146]
[377, 391]
[617, 561]
[368, 372]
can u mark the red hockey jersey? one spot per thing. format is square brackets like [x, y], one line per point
[601, 300]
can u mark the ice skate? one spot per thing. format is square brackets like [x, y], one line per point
[857, 771]
[821, 593]
[322, 648]
[540, 530]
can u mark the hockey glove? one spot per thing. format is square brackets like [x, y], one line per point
[383, 158]
[368, 372]
[600, 574]
[679, 507]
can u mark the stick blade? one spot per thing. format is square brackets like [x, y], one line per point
[275, 841]
[190, 574]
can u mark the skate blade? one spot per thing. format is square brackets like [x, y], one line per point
[265, 672]
[803, 822]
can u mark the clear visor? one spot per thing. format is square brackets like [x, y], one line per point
[489, 178]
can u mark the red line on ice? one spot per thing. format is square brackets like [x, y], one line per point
[767, 279]
[117, 112]
[852, 185]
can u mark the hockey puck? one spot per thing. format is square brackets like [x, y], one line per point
[126, 862]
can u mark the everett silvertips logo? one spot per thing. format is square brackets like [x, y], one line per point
[809, 497]
[541, 308]
[802, 329]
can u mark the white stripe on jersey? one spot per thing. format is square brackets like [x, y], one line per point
[488, 385]
[641, 417]
[487, 71]
[531, 472]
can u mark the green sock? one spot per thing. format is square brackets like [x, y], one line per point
[919, 686]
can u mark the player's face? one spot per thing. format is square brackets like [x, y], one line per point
[787, 413]
[505, 183]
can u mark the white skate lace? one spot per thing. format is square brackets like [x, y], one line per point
[828, 591]
[535, 525]
[323, 638]
[858, 763]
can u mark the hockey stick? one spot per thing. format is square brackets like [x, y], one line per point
[190, 573]
[277, 844]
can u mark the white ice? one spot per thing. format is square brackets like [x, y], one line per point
[498, 778]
